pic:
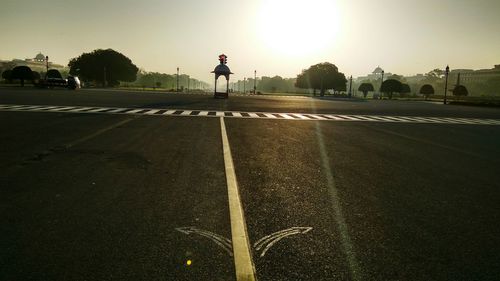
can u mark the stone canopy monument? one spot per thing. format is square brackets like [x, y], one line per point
[222, 69]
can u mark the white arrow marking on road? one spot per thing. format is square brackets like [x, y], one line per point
[223, 242]
[268, 241]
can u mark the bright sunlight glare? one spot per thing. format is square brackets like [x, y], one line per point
[297, 27]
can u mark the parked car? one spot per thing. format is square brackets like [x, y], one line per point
[74, 83]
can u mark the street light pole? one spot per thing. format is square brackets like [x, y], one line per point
[350, 86]
[46, 66]
[447, 71]
[177, 86]
[381, 85]
[254, 82]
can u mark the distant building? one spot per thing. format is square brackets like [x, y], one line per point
[375, 75]
[39, 58]
[415, 78]
[470, 75]
[38, 63]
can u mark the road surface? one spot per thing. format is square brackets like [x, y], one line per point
[116, 185]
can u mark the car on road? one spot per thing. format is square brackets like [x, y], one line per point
[73, 83]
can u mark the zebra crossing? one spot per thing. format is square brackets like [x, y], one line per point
[248, 115]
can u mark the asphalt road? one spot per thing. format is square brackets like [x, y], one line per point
[124, 197]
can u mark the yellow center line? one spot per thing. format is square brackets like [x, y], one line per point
[244, 266]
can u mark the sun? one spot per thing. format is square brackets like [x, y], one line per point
[297, 28]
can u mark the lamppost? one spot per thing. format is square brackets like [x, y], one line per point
[381, 84]
[46, 66]
[254, 81]
[350, 86]
[447, 71]
[177, 86]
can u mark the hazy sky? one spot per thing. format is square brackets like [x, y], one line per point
[275, 37]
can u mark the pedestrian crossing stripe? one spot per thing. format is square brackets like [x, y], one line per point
[250, 115]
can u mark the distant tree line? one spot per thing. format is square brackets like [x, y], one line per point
[22, 74]
[393, 86]
[107, 68]
[433, 83]
[322, 78]
[167, 81]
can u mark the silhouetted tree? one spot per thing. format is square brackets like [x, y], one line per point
[270, 84]
[7, 75]
[405, 89]
[427, 90]
[54, 73]
[365, 88]
[303, 81]
[435, 73]
[391, 86]
[321, 76]
[460, 90]
[397, 77]
[104, 66]
[22, 73]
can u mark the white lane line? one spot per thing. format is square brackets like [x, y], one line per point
[422, 120]
[254, 115]
[15, 106]
[269, 115]
[317, 117]
[98, 109]
[458, 120]
[364, 118]
[31, 107]
[79, 109]
[301, 116]
[169, 112]
[490, 121]
[134, 111]
[62, 108]
[243, 262]
[151, 111]
[351, 118]
[438, 120]
[395, 118]
[117, 110]
[409, 119]
[47, 107]
[383, 119]
[475, 121]
[286, 116]
[334, 117]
